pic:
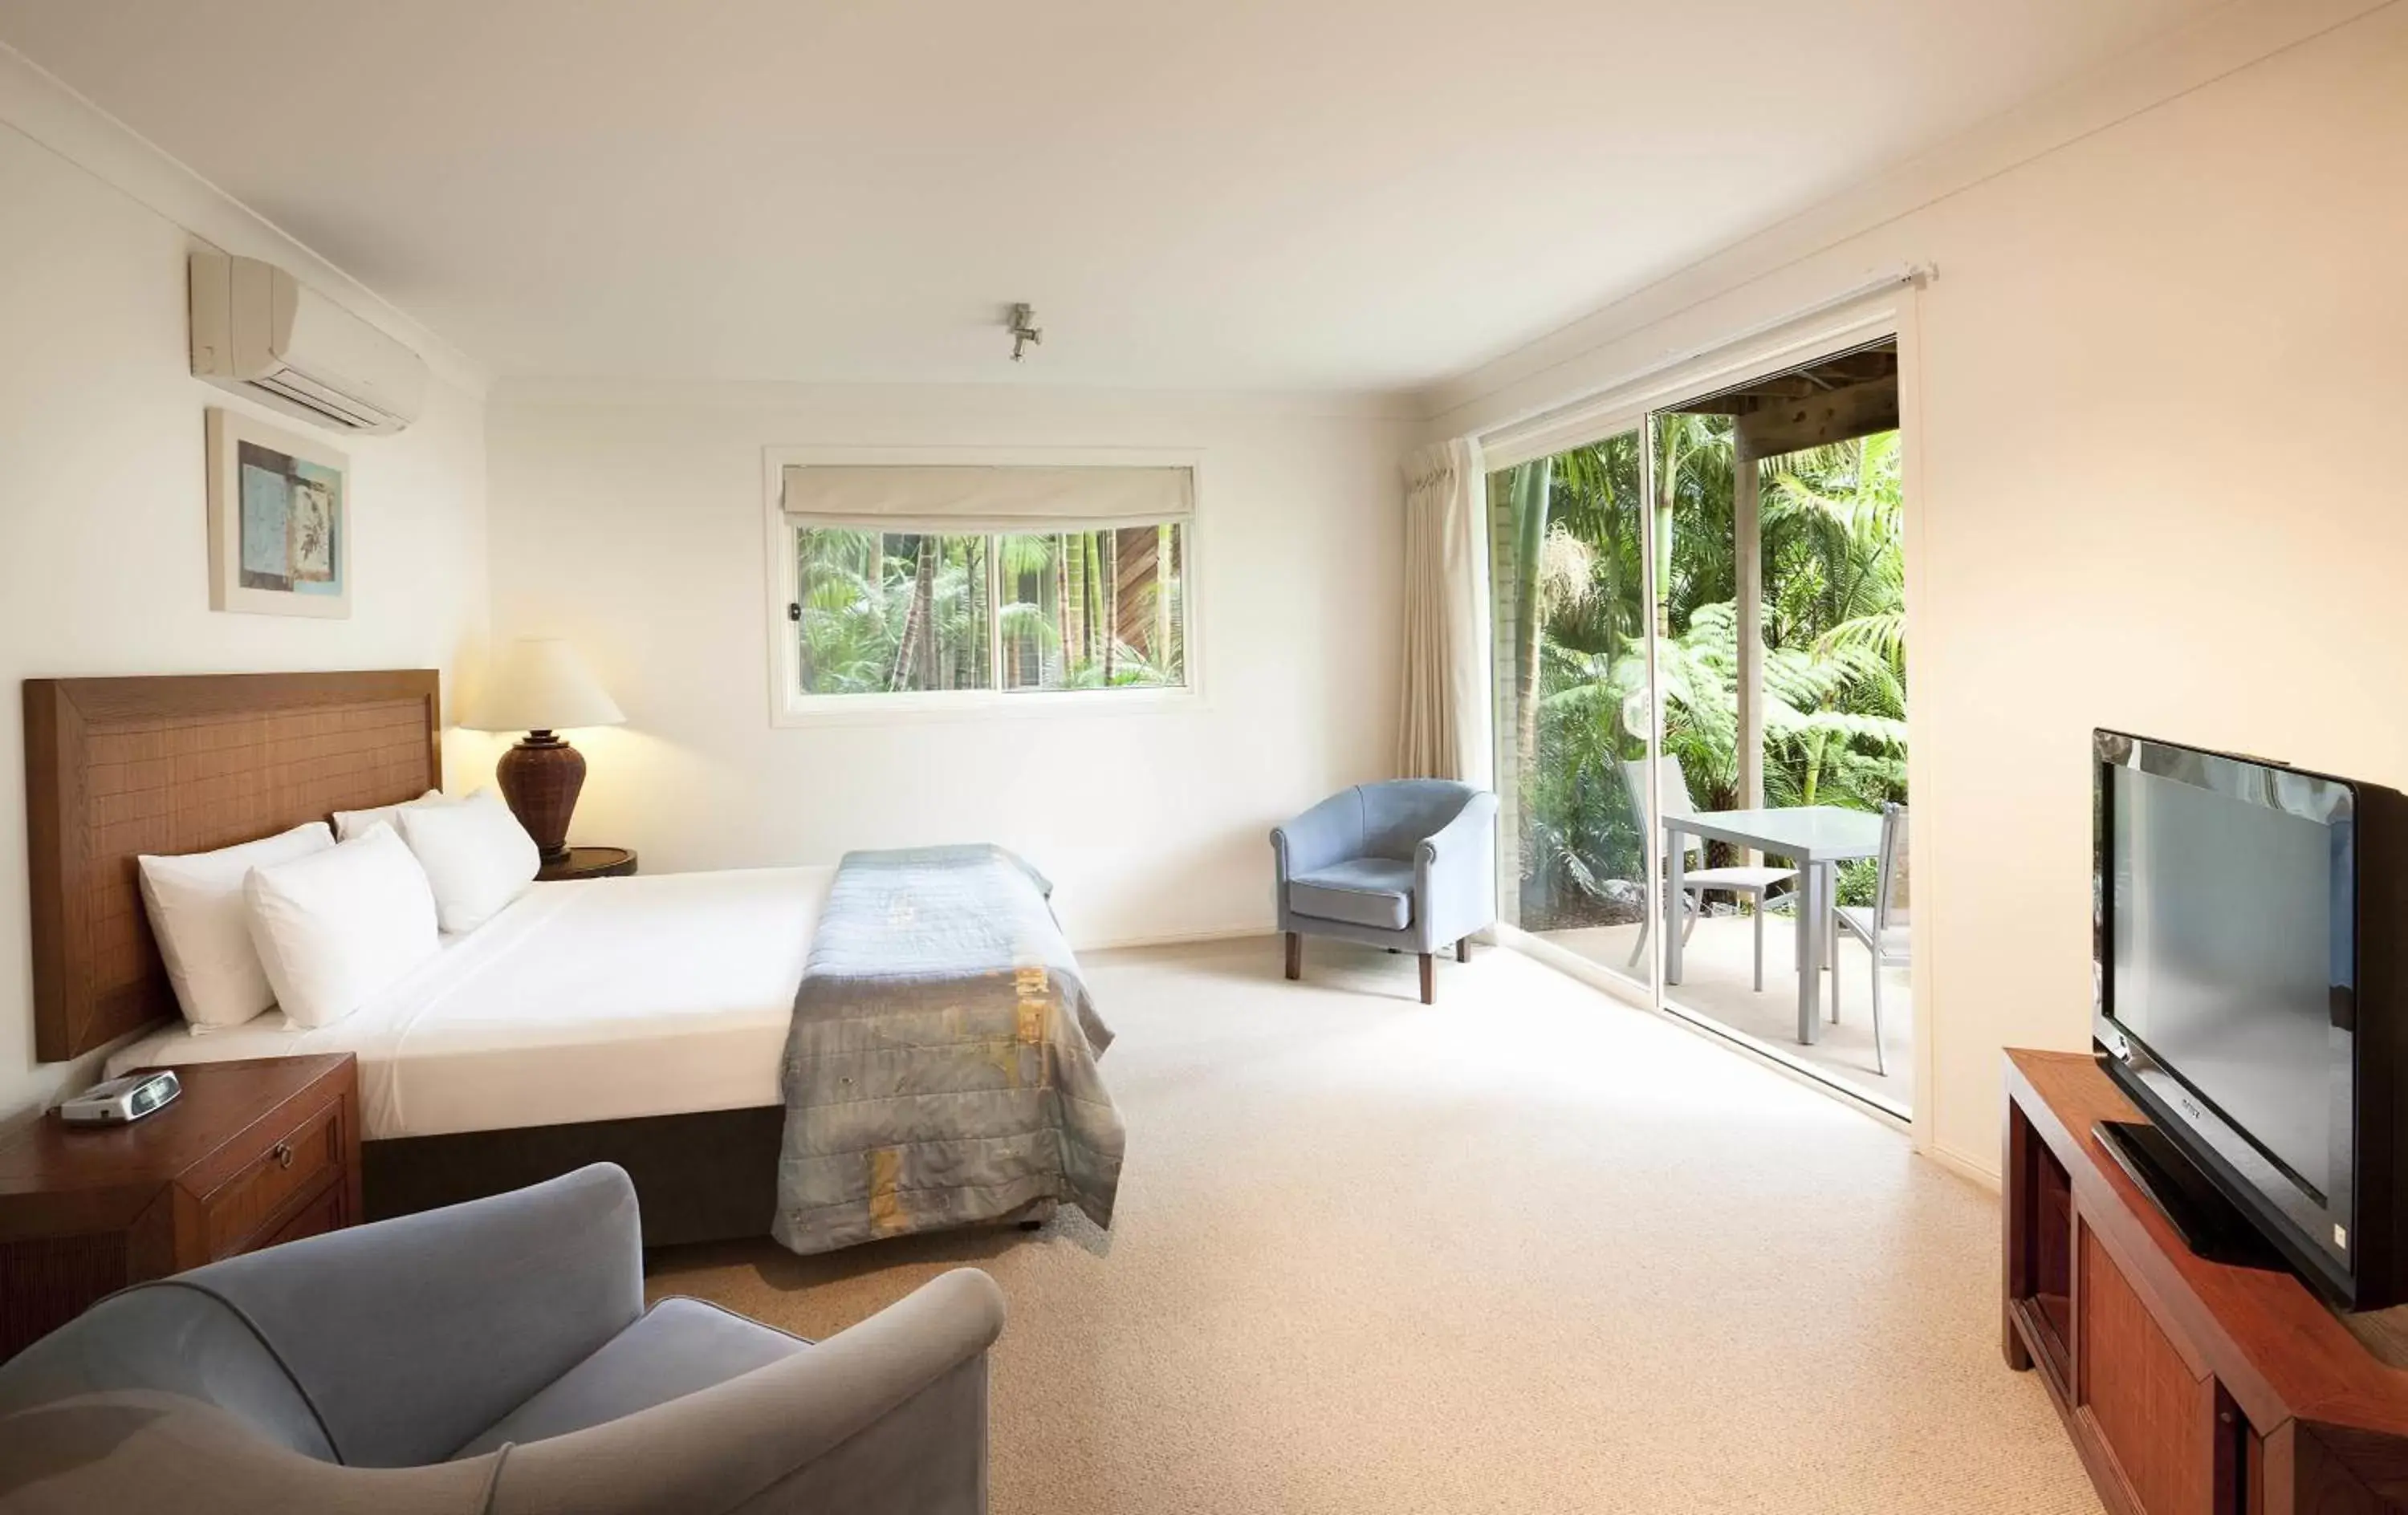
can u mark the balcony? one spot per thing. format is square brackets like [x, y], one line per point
[1717, 985]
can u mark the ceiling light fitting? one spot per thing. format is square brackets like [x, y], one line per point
[1025, 333]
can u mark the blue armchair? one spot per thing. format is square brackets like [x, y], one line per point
[498, 1357]
[1409, 865]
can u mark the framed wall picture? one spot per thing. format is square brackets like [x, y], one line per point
[280, 520]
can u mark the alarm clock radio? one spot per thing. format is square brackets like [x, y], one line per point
[121, 1100]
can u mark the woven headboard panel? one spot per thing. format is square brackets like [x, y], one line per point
[117, 767]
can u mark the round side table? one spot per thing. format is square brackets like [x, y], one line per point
[591, 862]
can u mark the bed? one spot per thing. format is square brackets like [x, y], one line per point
[638, 1020]
[607, 999]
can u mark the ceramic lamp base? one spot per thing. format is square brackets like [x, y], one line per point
[540, 778]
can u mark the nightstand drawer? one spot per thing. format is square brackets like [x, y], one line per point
[235, 1210]
[318, 1217]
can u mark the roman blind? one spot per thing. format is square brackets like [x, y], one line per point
[971, 498]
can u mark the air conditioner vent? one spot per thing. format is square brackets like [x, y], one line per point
[259, 332]
[318, 402]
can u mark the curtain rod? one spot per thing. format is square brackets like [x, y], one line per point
[1915, 274]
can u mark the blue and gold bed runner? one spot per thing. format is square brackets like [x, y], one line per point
[941, 1066]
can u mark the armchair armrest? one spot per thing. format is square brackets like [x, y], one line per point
[886, 1418]
[1454, 873]
[1330, 832]
[147, 1450]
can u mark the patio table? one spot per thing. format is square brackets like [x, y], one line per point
[1816, 840]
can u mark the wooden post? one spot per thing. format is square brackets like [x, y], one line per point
[1747, 554]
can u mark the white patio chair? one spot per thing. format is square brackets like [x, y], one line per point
[1882, 929]
[1756, 883]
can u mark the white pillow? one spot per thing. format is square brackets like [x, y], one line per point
[196, 912]
[335, 927]
[477, 856]
[351, 824]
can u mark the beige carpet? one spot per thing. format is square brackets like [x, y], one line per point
[1528, 1250]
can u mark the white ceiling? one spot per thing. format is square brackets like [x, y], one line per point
[1275, 195]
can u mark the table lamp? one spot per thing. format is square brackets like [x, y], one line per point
[540, 686]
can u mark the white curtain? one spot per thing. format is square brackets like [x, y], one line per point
[1445, 728]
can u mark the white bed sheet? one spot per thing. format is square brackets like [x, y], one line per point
[594, 1000]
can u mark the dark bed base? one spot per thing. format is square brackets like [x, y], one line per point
[698, 1178]
[711, 1177]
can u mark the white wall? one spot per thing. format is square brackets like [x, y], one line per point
[103, 507]
[633, 524]
[2161, 382]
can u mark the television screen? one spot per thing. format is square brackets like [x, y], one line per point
[2230, 981]
[2230, 948]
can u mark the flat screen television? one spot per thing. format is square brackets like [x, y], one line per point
[2246, 927]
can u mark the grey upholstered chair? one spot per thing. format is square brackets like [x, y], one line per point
[1882, 929]
[492, 1357]
[1739, 881]
[1409, 864]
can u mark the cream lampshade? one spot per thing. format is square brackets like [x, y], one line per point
[540, 686]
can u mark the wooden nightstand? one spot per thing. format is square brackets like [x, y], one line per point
[591, 862]
[252, 1153]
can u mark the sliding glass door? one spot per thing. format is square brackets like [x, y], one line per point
[1700, 632]
[1575, 717]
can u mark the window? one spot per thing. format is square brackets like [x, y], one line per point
[897, 613]
[889, 614]
[1093, 609]
[922, 586]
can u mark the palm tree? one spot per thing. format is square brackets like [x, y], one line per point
[1693, 475]
[872, 621]
[911, 644]
[847, 644]
[1527, 500]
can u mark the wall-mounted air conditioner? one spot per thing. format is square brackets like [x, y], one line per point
[262, 332]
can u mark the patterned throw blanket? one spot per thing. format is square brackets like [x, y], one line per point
[941, 1067]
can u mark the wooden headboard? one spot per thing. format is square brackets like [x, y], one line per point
[117, 767]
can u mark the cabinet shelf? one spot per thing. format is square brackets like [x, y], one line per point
[2190, 1387]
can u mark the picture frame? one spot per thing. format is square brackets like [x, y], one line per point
[280, 520]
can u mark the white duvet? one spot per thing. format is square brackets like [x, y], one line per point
[592, 1000]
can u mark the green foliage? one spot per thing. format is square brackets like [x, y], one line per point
[1834, 628]
[860, 590]
[891, 612]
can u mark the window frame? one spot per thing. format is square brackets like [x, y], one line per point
[789, 707]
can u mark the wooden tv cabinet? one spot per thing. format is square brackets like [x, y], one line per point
[2190, 1387]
